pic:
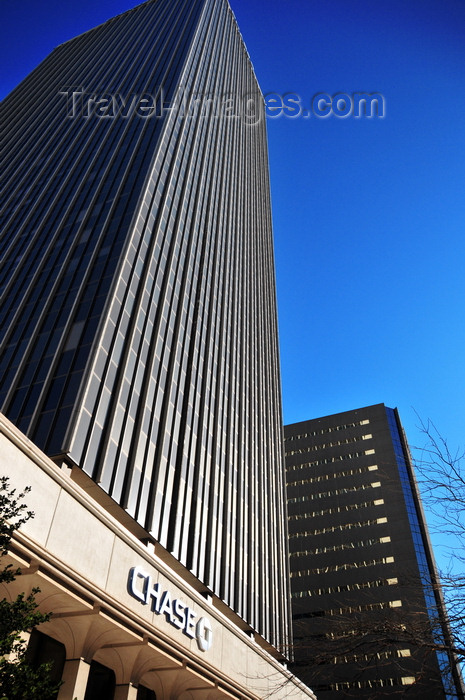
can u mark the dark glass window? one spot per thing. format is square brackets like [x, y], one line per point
[144, 693]
[44, 649]
[101, 683]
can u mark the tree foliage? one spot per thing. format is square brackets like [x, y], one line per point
[19, 680]
[441, 474]
[442, 482]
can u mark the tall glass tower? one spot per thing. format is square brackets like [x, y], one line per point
[138, 323]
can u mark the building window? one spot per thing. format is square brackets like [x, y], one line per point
[43, 649]
[343, 567]
[314, 433]
[101, 683]
[74, 336]
[343, 588]
[324, 549]
[330, 477]
[408, 680]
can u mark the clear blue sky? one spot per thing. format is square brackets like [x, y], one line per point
[368, 214]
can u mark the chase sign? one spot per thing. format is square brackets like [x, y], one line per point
[177, 613]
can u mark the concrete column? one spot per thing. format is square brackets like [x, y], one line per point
[125, 692]
[75, 675]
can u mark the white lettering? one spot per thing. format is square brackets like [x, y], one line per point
[154, 593]
[180, 611]
[134, 574]
[204, 634]
[177, 613]
[165, 606]
[189, 628]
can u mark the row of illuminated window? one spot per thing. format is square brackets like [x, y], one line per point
[325, 445]
[372, 656]
[336, 492]
[337, 509]
[346, 587]
[337, 528]
[348, 610]
[342, 567]
[375, 683]
[330, 477]
[329, 460]
[323, 431]
[340, 547]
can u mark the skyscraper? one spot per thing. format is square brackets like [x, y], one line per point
[138, 324]
[366, 603]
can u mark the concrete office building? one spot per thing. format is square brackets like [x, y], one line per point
[139, 353]
[359, 553]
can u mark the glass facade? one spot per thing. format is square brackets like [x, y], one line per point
[138, 320]
[426, 565]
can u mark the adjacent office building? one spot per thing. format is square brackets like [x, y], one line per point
[363, 577]
[139, 354]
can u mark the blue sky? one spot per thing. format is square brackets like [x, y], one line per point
[368, 213]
